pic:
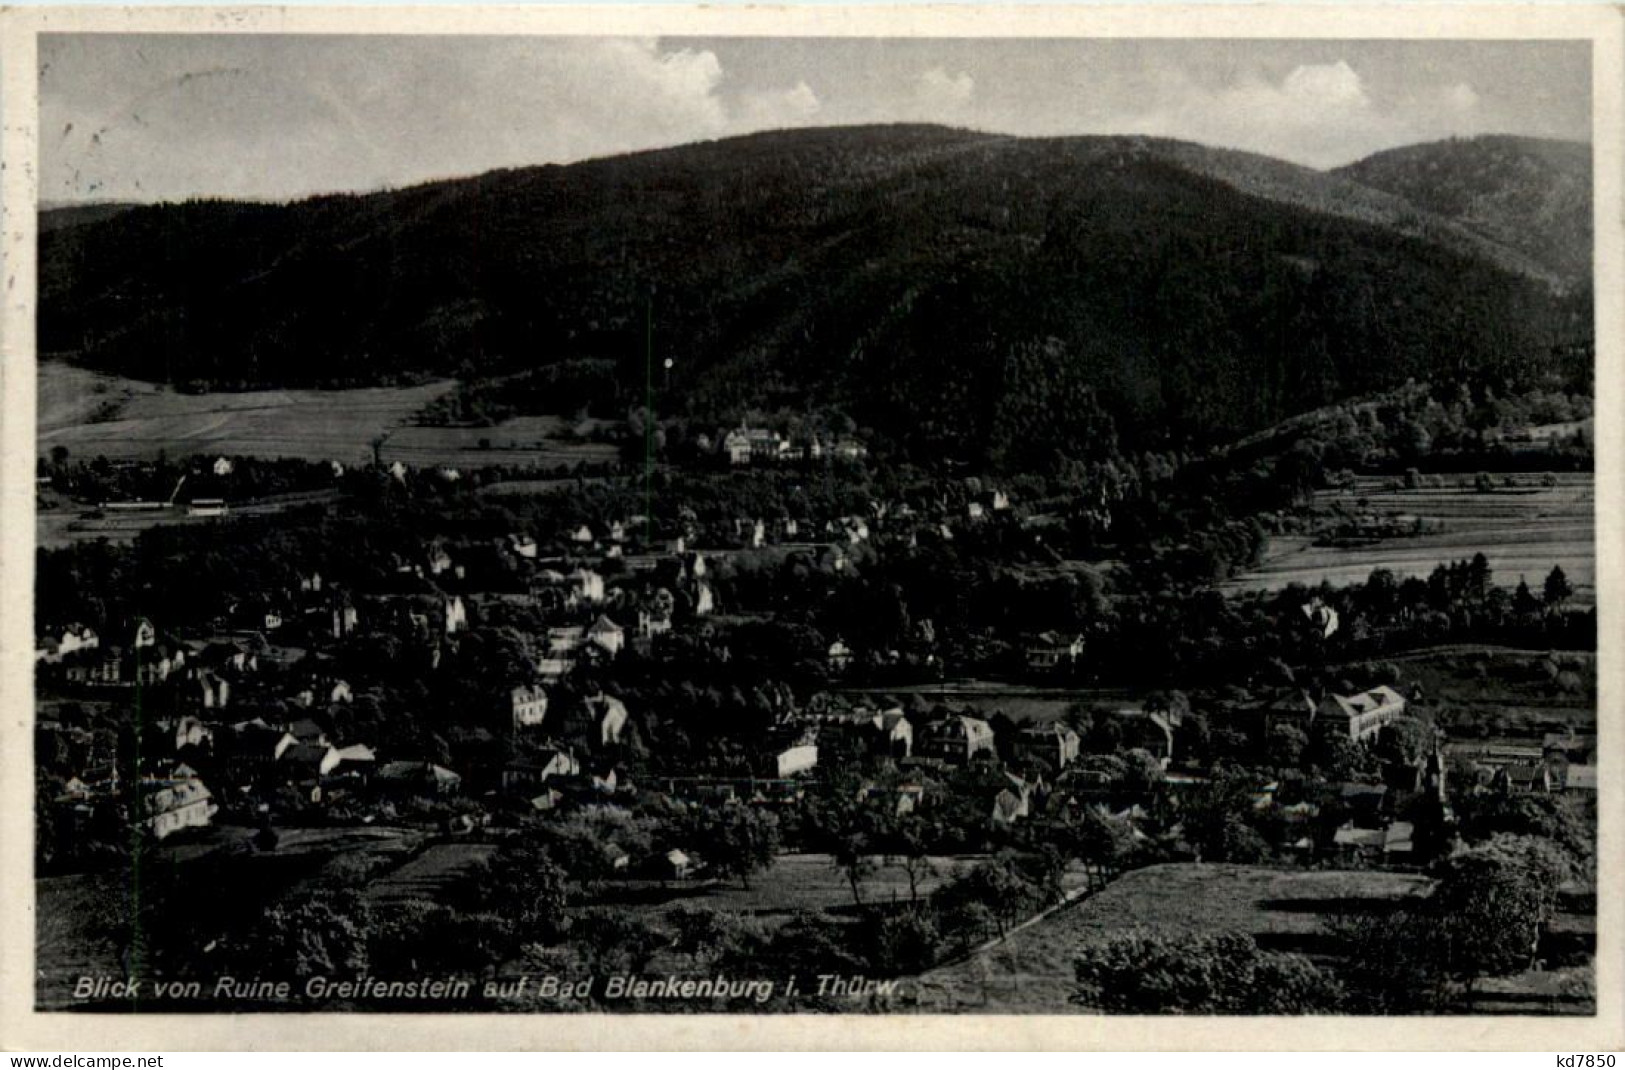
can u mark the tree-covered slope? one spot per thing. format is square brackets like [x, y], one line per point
[1529, 194]
[968, 294]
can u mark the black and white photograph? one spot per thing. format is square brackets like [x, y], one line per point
[698, 524]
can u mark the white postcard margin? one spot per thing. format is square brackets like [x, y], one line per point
[23, 1029]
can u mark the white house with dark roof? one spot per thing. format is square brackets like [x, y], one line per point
[1364, 714]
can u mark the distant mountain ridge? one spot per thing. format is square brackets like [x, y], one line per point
[958, 289]
[1528, 194]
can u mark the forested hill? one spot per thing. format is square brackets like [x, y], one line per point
[967, 294]
[1530, 194]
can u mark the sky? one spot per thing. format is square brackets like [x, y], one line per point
[153, 117]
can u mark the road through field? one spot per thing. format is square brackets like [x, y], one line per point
[1522, 531]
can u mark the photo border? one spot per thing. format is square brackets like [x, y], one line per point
[23, 1028]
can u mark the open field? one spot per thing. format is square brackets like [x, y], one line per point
[1284, 910]
[311, 424]
[126, 419]
[803, 882]
[429, 874]
[60, 525]
[524, 440]
[1523, 532]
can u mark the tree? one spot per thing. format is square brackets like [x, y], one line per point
[1404, 741]
[1523, 600]
[1493, 902]
[1287, 744]
[909, 846]
[1549, 817]
[739, 840]
[852, 857]
[319, 933]
[708, 934]
[1557, 589]
[1222, 973]
[615, 941]
[1393, 962]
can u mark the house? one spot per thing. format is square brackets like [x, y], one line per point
[587, 586]
[705, 602]
[1001, 501]
[678, 865]
[1525, 777]
[1297, 711]
[955, 739]
[651, 624]
[1014, 802]
[145, 634]
[887, 732]
[455, 614]
[736, 446]
[223, 466]
[1577, 778]
[839, 656]
[1391, 843]
[191, 732]
[607, 636]
[765, 445]
[344, 618]
[1152, 732]
[528, 706]
[357, 760]
[566, 639]
[1054, 744]
[165, 806]
[418, 778]
[103, 667]
[213, 691]
[523, 546]
[582, 535]
[439, 561]
[60, 642]
[1049, 652]
[398, 471]
[526, 777]
[798, 758]
[1321, 619]
[610, 715]
[849, 449]
[1364, 714]
[615, 859]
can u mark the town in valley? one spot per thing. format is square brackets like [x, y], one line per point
[856, 569]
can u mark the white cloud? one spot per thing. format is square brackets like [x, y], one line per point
[1461, 97]
[938, 88]
[796, 106]
[1318, 114]
[1333, 85]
